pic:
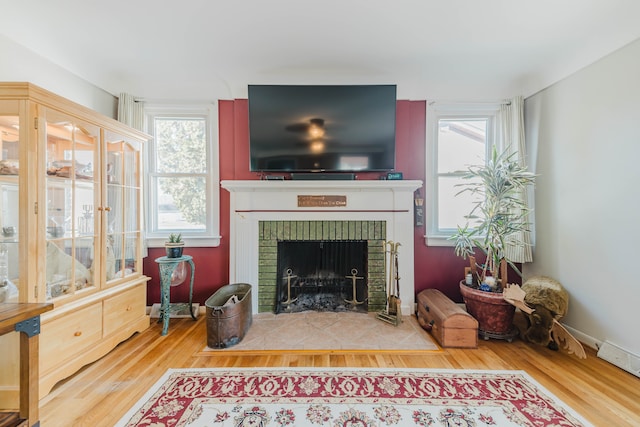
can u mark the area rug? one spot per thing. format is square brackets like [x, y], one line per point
[331, 331]
[341, 397]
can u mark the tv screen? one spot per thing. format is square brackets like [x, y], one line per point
[322, 128]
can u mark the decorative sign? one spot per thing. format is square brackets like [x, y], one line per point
[321, 201]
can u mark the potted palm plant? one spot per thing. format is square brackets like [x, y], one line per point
[497, 220]
[174, 246]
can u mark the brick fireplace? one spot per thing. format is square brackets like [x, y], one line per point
[272, 232]
[265, 212]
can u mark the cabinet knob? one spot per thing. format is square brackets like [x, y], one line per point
[107, 209]
[129, 308]
[77, 334]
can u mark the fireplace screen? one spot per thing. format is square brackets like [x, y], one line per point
[322, 276]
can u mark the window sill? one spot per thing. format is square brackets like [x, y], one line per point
[193, 242]
[438, 241]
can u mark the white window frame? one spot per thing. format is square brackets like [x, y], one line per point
[210, 237]
[436, 111]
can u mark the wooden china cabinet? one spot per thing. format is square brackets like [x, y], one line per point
[70, 230]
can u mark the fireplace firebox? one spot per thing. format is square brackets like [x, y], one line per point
[321, 275]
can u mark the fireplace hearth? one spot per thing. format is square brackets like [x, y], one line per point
[321, 275]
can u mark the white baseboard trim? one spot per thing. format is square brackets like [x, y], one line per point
[202, 309]
[585, 339]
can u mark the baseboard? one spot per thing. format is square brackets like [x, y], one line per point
[585, 339]
[202, 309]
[176, 311]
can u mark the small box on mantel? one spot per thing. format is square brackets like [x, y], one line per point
[448, 323]
[394, 176]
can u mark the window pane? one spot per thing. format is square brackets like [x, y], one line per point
[461, 143]
[452, 208]
[181, 203]
[131, 217]
[131, 243]
[180, 145]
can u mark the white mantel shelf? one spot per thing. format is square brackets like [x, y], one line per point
[252, 201]
[295, 185]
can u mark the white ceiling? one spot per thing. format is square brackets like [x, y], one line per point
[432, 49]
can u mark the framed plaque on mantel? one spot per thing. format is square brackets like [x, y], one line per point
[321, 201]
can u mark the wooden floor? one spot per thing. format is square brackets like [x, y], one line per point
[102, 392]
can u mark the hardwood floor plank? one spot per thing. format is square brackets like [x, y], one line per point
[100, 393]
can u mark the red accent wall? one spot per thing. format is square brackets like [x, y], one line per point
[435, 267]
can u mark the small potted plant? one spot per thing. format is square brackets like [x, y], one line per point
[497, 220]
[174, 245]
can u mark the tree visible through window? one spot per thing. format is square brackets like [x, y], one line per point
[183, 178]
[460, 143]
[181, 173]
[457, 136]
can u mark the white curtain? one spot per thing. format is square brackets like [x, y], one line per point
[131, 112]
[511, 137]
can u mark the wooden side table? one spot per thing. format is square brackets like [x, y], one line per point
[167, 267]
[25, 318]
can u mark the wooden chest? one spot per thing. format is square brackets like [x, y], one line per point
[448, 323]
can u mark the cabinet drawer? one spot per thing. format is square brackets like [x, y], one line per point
[67, 336]
[124, 308]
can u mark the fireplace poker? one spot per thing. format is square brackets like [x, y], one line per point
[393, 278]
[391, 314]
[390, 304]
[397, 278]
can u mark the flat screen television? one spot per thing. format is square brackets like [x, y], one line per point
[303, 128]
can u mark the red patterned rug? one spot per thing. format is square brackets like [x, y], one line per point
[348, 398]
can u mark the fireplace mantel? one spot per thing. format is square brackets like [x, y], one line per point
[294, 185]
[254, 201]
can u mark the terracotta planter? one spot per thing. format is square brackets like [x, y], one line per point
[493, 313]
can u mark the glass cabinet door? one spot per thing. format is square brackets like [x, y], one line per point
[123, 187]
[9, 202]
[71, 199]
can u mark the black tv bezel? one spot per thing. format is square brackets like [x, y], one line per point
[324, 170]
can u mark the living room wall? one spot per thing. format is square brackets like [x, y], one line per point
[586, 129]
[25, 65]
[435, 267]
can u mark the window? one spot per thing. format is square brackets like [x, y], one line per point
[458, 135]
[183, 180]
